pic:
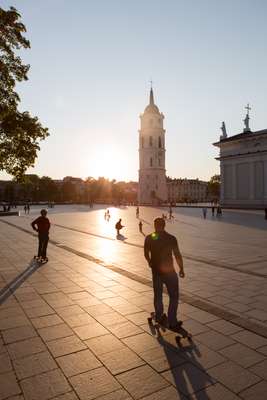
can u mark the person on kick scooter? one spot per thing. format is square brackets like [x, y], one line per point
[42, 226]
[159, 249]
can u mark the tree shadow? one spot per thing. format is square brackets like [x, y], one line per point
[12, 286]
[189, 376]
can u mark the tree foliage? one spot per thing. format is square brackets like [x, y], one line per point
[214, 187]
[20, 133]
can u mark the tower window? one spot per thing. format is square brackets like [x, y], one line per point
[150, 141]
[151, 162]
[159, 142]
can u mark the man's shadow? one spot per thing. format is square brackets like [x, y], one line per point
[188, 377]
[12, 286]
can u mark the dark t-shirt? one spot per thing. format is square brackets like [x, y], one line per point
[43, 224]
[160, 248]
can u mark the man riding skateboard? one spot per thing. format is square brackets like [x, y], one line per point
[159, 249]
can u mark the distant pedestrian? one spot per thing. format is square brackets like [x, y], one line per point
[140, 227]
[219, 211]
[137, 212]
[28, 208]
[265, 211]
[25, 208]
[213, 210]
[204, 211]
[42, 226]
[118, 227]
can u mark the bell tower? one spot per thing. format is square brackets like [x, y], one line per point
[152, 187]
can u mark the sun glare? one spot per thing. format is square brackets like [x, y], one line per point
[106, 163]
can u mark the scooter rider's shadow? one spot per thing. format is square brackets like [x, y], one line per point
[187, 375]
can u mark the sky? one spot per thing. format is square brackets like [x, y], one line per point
[91, 64]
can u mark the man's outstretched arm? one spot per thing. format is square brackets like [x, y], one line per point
[179, 259]
[147, 251]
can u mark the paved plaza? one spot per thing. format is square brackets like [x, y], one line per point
[76, 327]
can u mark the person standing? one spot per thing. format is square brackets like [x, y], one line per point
[137, 212]
[213, 210]
[42, 226]
[140, 227]
[204, 211]
[159, 249]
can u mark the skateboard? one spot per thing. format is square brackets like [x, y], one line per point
[40, 260]
[182, 333]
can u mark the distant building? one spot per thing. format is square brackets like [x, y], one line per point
[243, 164]
[152, 187]
[187, 190]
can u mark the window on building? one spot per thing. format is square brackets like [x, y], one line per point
[142, 141]
[151, 122]
[159, 162]
[151, 162]
[150, 141]
[159, 142]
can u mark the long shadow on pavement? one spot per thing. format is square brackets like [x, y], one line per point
[12, 286]
[188, 377]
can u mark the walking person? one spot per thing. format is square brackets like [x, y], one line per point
[204, 211]
[137, 212]
[159, 249]
[140, 227]
[42, 226]
[213, 210]
[25, 208]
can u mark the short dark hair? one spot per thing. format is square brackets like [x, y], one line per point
[43, 212]
[159, 223]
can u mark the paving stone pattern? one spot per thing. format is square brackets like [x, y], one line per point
[74, 329]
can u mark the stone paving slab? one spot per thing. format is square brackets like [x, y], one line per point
[47, 353]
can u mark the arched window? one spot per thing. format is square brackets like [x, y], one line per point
[150, 141]
[151, 162]
[159, 142]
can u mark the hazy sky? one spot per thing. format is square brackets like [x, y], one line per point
[91, 62]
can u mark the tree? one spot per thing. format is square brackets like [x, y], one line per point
[20, 133]
[47, 189]
[214, 187]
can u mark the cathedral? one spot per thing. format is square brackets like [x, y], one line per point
[152, 187]
[243, 165]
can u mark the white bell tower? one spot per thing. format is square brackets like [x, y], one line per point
[152, 174]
